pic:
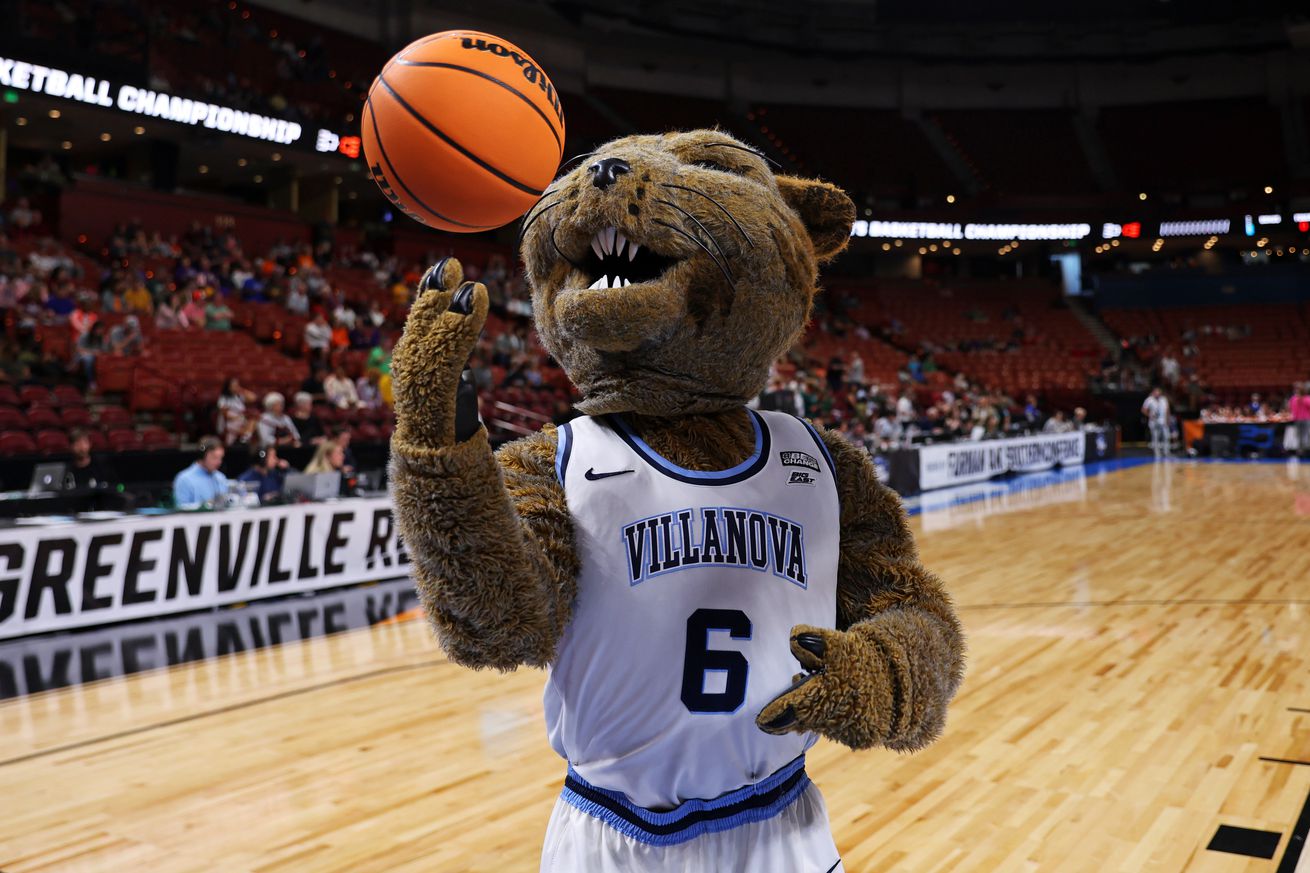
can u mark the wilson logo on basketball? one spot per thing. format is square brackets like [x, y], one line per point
[526, 67]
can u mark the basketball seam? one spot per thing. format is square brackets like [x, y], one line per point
[507, 179]
[377, 137]
[490, 78]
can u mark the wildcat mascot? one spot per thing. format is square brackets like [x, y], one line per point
[672, 556]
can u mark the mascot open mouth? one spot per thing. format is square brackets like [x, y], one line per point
[614, 261]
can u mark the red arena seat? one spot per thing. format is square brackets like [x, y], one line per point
[125, 440]
[52, 442]
[15, 442]
[43, 417]
[114, 417]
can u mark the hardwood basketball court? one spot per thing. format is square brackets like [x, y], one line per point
[1139, 676]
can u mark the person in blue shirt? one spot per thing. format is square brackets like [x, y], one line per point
[202, 483]
[268, 473]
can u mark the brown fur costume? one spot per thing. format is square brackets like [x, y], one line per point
[491, 536]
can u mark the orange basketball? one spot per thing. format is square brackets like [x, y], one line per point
[463, 131]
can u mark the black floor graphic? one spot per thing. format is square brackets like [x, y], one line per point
[1245, 841]
[1296, 844]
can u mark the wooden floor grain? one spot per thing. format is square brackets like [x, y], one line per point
[1137, 642]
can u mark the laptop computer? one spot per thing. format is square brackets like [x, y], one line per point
[312, 486]
[48, 477]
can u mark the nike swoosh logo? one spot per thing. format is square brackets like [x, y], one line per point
[592, 475]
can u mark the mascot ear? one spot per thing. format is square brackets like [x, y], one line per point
[825, 210]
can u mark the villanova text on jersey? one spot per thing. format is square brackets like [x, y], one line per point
[718, 535]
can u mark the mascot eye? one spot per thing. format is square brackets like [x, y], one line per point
[709, 164]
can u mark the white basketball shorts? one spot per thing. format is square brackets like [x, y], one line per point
[779, 825]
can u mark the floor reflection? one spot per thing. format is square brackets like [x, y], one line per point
[40, 663]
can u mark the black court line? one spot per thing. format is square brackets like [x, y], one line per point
[220, 711]
[1040, 604]
[1296, 844]
[1245, 841]
[1289, 709]
[1284, 761]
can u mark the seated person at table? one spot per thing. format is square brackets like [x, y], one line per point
[87, 471]
[276, 427]
[268, 473]
[330, 457]
[202, 484]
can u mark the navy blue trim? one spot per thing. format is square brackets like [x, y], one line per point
[563, 448]
[818, 441]
[693, 818]
[739, 473]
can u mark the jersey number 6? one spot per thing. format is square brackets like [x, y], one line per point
[701, 659]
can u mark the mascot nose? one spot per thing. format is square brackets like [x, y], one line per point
[606, 171]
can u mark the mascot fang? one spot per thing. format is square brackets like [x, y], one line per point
[672, 556]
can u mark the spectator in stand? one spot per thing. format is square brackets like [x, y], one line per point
[379, 359]
[193, 314]
[275, 427]
[340, 390]
[345, 316]
[307, 424]
[904, 409]
[126, 338]
[267, 473]
[836, 374]
[375, 318]
[782, 397]
[1256, 407]
[1170, 369]
[400, 294]
[112, 301]
[1032, 413]
[23, 219]
[340, 338]
[297, 299]
[138, 299]
[89, 347]
[507, 347]
[218, 315]
[366, 386]
[234, 424]
[168, 316]
[1057, 423]
[1299, 407]
[201, 484]
[83, 316]
[1080, 422]
[87, 470]
[855, 372]
[479, 372]
[318, 337]
[313, 383]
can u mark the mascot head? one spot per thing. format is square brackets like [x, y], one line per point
[668, 272]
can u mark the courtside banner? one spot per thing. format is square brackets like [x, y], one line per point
[87, 573]
[958, 463]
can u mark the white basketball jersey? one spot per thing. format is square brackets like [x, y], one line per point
[690, 585]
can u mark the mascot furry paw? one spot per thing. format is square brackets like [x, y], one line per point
[672, 555]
